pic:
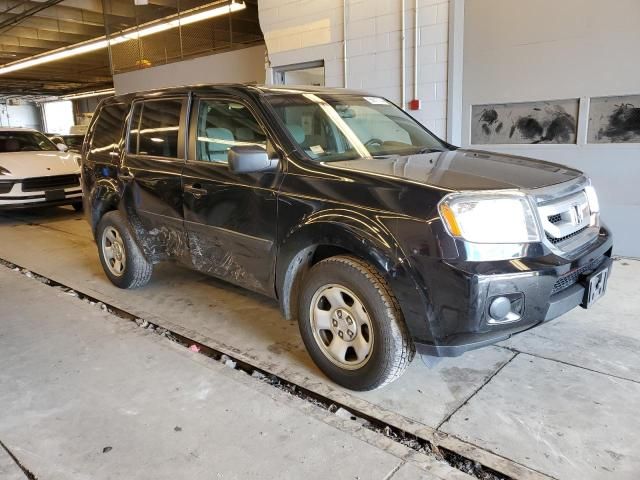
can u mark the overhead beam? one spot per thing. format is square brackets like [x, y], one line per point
[48, 35]
[59, 25]
[10, 22]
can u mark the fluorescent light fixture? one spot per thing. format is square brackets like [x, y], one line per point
[94, 93]
[168, 23]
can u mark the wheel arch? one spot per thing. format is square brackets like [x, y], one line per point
[328, 234]
[104, 197]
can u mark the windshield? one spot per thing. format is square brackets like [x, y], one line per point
[346, 127]
[73, 141]
[25, 142]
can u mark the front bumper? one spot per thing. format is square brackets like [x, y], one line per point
[18, 198]
[547, 287]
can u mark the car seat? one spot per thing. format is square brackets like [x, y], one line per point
[218, 144]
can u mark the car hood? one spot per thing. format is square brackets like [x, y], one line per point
[38, 164]
[462, 169]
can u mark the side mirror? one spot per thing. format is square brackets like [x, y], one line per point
[251, 159]
[62, 147]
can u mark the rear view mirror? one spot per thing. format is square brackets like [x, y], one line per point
[251, 159]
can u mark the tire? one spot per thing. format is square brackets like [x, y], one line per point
[77, 206]
[378, 347]
[122, 260]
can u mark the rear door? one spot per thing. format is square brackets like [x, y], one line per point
[151, 172]
[230, 218]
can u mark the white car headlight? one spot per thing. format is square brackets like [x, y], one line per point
[592, 198]
[493, 217]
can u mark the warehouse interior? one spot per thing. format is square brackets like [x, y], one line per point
[171, 342]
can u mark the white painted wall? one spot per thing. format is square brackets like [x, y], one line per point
[238, 66]
[25, 115]
[298, 31]
[520, 50]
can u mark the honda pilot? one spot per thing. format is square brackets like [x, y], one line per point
[377, 237]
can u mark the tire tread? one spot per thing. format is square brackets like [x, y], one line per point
[139, 269]
[401, 358]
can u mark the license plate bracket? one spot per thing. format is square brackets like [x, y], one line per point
[596, 284]
[54, 195]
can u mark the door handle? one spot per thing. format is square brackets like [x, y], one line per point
[196, 190]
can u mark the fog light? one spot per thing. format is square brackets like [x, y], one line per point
[500, 308]
[506, 308]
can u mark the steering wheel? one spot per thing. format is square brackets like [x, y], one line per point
[373, 142]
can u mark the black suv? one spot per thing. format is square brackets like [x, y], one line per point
[376, 236]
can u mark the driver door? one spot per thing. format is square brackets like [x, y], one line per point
[230, 219]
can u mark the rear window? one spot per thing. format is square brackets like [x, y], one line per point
[154, 128]
[108, 127]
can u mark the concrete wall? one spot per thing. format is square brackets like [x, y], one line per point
[238, 66]
[26, 115]
[298, 31]
[519, 50]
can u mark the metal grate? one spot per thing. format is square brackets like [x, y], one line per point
[213, 35]
[571, 277]
[37, 184]
[5, 187]
[556, 241]
[555, 218]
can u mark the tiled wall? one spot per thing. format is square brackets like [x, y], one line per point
[299, 31]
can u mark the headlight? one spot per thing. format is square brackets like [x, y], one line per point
[4, 171]
[592, 198]
[490, 217]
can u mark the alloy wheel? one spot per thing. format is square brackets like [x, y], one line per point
[113, 251]
[341, 326]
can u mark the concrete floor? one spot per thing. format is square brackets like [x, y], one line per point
[88, 395]
[561, 400]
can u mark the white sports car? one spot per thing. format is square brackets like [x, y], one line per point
[36, 172]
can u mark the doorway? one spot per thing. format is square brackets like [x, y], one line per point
[308, 73]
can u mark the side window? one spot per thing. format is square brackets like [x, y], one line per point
[156, 133]
[223, 124]
[108, 127]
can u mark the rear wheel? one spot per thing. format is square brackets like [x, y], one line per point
[352, 325]
[121, 258]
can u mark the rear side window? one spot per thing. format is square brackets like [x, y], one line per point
[154, 128]
[108, 127]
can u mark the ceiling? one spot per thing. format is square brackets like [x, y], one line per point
[31, 27]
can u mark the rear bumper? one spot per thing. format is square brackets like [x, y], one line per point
[545, 286]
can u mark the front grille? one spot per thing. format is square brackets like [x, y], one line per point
[555, 241]
[564, 218]
[572, 277]
[555, 218]
[37, 184]
[5, 187]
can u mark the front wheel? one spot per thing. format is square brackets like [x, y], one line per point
[352, 325]
[121, 258]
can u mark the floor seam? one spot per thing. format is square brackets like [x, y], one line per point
[27, 473]
[394, 470]
[563, 362]
[54, 229]
[448, 417]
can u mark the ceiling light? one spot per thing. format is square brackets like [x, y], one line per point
[94, 93]
[168, 23]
